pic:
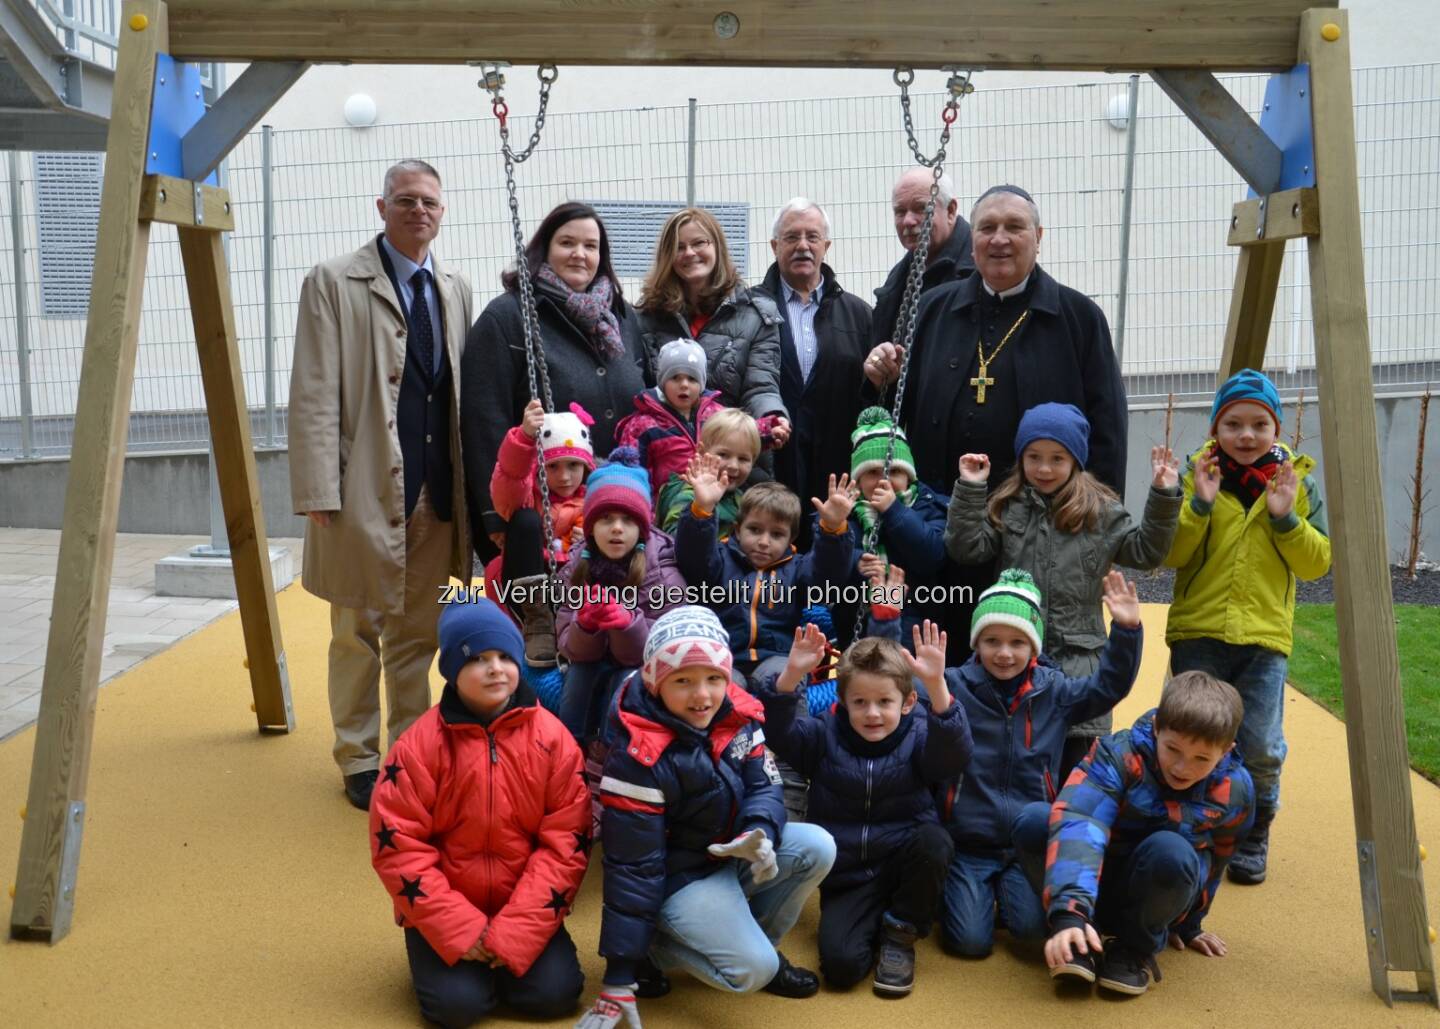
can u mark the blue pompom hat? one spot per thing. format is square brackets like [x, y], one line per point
[467, 630]
[620, 485]
[1250, 385]
[1062, 423]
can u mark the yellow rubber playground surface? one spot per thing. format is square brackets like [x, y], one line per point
[225, 881]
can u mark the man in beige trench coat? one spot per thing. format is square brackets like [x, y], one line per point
[375, 463]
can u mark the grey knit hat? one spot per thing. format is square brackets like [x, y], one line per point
[680, 357]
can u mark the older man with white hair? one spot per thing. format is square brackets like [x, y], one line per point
[949, 254]
[823, 341]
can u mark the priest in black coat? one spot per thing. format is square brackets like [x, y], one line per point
[991, 346]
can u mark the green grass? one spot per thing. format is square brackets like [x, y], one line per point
[1315, 671]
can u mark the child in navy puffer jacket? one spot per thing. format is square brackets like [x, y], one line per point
[873, 761]
[1019, 704]
[689, 785]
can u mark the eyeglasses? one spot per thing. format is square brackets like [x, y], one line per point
[693, 247]
[790, 239]
[410, 203]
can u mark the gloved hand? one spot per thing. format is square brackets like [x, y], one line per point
[613, 1004]
[615, 615]
[594, 614]
[754, 847]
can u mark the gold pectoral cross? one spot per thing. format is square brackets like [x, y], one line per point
[980, 382]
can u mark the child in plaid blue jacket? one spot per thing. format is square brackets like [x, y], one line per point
[1136, 844]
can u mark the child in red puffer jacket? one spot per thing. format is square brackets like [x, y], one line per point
[479, 829]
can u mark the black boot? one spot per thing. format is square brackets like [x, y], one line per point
[1247, 867]
[790, 981]
[895, 970]
[650, 982]
[537, 621]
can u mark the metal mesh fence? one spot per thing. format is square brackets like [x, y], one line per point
[1057, 141]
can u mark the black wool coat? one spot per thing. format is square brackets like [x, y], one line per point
[823, 407]
[1062, 353]
[494, 389]
[954, 260]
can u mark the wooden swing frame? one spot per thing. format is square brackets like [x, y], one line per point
[1179, 42]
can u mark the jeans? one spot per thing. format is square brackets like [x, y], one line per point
[1141, 894]
[907, 886]
[979, 883]
[465, 992]
[585, 702]
[723, 929]
[1258, 675]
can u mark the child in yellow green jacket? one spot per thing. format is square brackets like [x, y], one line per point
[1252, 523]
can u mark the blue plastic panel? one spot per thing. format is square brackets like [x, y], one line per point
[179, 104]
[1286, 120]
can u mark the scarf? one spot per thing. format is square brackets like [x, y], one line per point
[865, 515]
[605, 571]
[591, 309]
[1248, 482]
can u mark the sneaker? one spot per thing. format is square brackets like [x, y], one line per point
[1079, 969]
[1122, 970]
[650, 982]
[791, 981]
[895, 969]
[359, 786]
[1247, 866]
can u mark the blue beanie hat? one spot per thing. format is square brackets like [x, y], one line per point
[1250, 385]
[469, 629]
[621, 485]
[1062, 423]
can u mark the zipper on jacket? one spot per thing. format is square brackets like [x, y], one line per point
[494, 754]
[755, 616]
[865, 825]
[490, 821]
[1049, 784]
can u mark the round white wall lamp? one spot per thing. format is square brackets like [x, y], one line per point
[360, 111]
[1117, 111]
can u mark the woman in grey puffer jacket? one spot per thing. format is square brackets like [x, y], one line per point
[694, 291]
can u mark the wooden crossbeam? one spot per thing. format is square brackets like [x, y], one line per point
[164, 198]
[1288, 214]
[1100, 35]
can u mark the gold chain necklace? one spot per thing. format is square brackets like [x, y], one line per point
[982, 380]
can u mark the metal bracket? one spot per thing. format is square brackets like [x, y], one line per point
[1260, 219]
[1222, 121]
[199, 204]
[289, 725]
[235, 112]
[69, 870]
[1375, 937]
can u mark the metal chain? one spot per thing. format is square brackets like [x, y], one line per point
[959, 86]
[537, 374]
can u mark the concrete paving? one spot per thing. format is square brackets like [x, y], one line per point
[139, 623]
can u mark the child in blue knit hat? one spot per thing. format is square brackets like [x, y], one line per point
[1252, 523]
[479, 832]
[1058, 522]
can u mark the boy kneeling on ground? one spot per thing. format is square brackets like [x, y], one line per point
[1161, 807]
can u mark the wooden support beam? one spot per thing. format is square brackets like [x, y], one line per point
[1252, 305]
[1392, 888]
[1289, 214]
[50, 845]
[1227, 125]
[1103, 35]
[206, 274]
[164, 198]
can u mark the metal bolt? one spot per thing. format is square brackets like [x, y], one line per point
[727, 25]
[1267, 107]
[1295, 210]
[197, 94]
[154, 156]
[162, 80]
[162, 196]
[1302, 92]
[77, 817]
[1306, 169]
[1234, 221]
[69, 893]
[227, 207]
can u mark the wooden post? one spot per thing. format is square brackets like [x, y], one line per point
[50, 844]
[214, 315]
[1391, 887]
[1252, 304]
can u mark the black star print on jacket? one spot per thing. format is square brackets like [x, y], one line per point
[411, 890]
